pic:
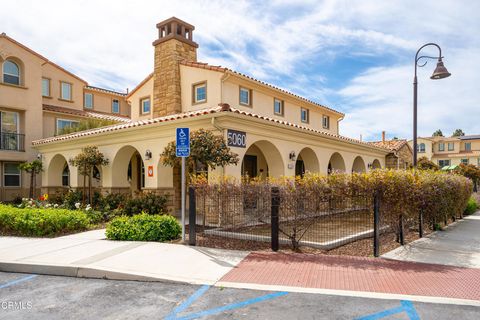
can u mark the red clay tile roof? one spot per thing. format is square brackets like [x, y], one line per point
[202, 65]
[191, 114]
[86, 113]
[393, 145]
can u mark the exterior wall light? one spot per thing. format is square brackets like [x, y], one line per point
[148, 155]
[292, 156]
[370, 165]
[39, 156]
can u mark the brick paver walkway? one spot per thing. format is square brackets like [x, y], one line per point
[357, 274]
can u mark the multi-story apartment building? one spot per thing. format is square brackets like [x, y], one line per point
[450, 151]
[37, 99]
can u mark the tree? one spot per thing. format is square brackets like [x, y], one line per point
[89, 158]
[424, 164]
[207, 150]
[458, 133]
[470, 171]
[438, 133]
[33, 168]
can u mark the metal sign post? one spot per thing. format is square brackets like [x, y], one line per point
[183, 151]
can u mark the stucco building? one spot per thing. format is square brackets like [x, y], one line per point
[401, 154]
[274, 132]
[37, 99]
[450, 151]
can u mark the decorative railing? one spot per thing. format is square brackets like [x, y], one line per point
[12, 141]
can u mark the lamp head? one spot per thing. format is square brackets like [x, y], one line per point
[440, 71]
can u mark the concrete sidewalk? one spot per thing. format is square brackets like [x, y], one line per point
[87, 254]
[458, 245]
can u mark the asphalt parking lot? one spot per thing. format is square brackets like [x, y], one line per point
[24, 296]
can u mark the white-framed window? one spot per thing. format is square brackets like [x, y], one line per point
[88, 100]
[245, 97]
[66, 176]
[464, 161]
[200, 92]
[326, 122]
[45, 87]
[115, 106]
[11, 72]
[10, 128]
[278, 107]
[11, 175]
[443, 163]
[421, 148]
[145, 105]
[65, 123]
[441, 146]
[468, 146]
[304, 115]
[65, 91]
[451, 146]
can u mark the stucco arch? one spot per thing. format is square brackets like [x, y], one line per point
[336, 163]
[120, 168]
[376, 164]
[269, 162]
[307, 159]
[359, 165]
[55, 169]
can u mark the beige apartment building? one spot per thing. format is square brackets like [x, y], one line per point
[274, 132]
[401, 153]
[37, 99]
[450, 151]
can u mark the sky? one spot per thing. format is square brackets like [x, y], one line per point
[354, 56]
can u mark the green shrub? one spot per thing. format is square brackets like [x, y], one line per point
[472, 206]
[149, 203]
[39, 222]
[71, 198]
[144, 227]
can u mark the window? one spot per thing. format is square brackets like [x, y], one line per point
[245, 97]
[63, 123]
[464, 161]
[45, 87]
[451, 146]
[421, 148]
[115, 106]
[9, 124]
[304, 113]
[11, 175]
[278, 107]
[200, 92]
[88, 100]
[326, 122]
[468, 146]
[441, 146]
[11, 72]
[145, 105]
[443, 163]
[65, 91]
[66, 176]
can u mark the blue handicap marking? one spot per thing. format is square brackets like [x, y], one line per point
[406, 307]
[182, 142]
[182, 307]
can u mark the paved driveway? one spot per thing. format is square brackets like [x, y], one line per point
[458, 245]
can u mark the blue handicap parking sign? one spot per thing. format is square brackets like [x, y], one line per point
[183, 142]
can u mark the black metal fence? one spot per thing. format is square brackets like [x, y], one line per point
[12, 141]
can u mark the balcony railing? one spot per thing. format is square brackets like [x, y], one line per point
[12, 141]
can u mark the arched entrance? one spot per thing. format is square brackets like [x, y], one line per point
[336, 163]
[359, 165]
[376, 164]
[128, 169]
[307, 161]
[58, 172]
[262, 159]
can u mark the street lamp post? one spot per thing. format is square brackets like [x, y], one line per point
[439, 73]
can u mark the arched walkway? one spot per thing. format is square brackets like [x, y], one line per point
[359, 165]
[336, 163]
[307, 161]
[128, 169]
[262, 159]
[376, 164]
[58, 172]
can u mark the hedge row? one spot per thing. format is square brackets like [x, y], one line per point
[40, 222]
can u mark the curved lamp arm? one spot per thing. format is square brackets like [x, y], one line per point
[417, 58]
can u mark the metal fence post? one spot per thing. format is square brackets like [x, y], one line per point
[192, 216]
[420, 224]
[274, 218]
[376, 225]
[401, 235]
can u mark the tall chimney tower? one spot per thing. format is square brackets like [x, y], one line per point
[174, 44]
[383, 136]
